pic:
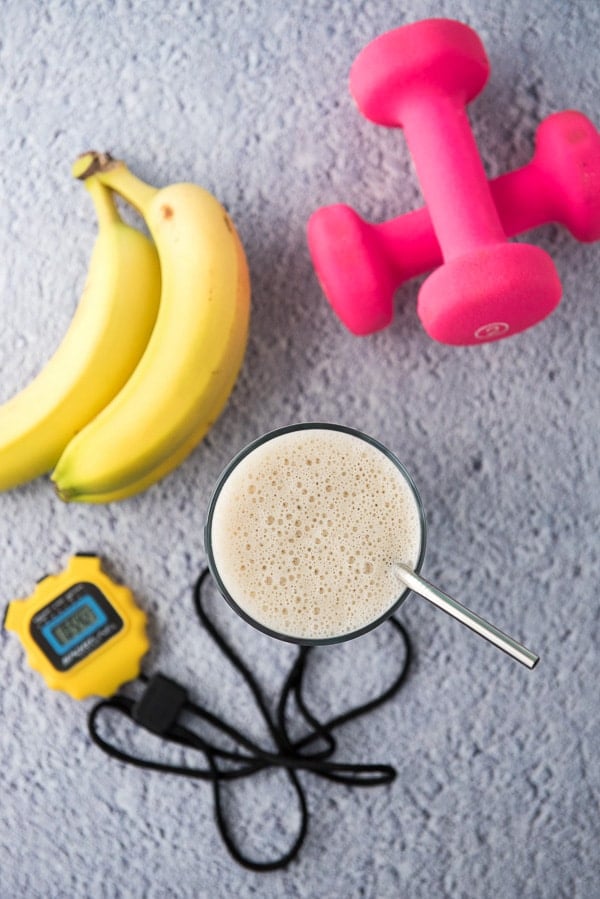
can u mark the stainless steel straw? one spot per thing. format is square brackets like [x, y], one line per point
[428, 591]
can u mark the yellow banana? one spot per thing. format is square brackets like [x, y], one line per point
[171, 462]
[192, 360]
[105, 341]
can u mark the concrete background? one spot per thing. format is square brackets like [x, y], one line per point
[498, 787]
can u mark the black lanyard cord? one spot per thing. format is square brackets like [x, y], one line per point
[163, 701]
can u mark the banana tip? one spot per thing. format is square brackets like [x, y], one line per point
[64, 493]
[91, 162]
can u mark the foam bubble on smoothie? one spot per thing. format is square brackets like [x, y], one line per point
[307, 529]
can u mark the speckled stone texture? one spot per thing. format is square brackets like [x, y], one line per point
[498, 788]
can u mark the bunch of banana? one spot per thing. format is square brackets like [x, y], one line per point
[187, 363]
[105, 341]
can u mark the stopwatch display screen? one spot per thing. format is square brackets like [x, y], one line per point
[74, 625]
[70, 627]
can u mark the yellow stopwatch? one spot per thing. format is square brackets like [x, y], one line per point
[81, 631]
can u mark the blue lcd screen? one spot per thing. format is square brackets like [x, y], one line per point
[83, 618]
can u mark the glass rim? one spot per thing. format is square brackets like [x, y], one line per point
[232, 465]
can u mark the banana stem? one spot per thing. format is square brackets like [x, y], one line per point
[113, 173]
[104, 203]
[128, 186]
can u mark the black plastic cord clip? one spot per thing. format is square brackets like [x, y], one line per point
[158, 707]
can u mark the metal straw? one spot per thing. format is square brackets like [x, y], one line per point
[482, 627]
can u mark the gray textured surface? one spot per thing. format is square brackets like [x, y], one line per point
[498, 793]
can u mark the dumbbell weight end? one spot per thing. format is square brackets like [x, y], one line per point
[492, 293]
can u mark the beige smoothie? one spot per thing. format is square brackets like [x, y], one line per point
[307, 530]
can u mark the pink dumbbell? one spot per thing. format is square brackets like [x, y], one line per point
[419, 78]
[360, 265]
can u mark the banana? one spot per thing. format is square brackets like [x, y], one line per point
[181, 453]
[193, 357]
[101, 348]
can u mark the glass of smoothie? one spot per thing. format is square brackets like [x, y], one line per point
[316, 534]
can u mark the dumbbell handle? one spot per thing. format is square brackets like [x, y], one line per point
[451, 174]
[523, 198]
